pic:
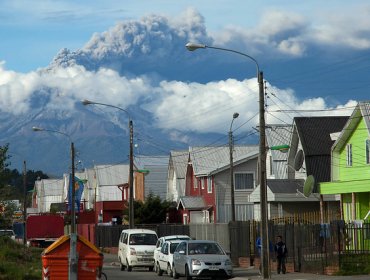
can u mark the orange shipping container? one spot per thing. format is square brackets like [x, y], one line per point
[55, 263]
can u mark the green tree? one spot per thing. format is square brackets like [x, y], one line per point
[152, 211]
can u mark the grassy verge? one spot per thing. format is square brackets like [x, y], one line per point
[17, 262]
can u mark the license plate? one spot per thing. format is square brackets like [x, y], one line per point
[213, 268]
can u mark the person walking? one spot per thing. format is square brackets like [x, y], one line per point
[281, 253]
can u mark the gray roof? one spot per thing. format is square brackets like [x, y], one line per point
[156, 179]
[179, 161]
[285, 185]
[208, 160]
[112, 175]
[50, 187]
[192, 203]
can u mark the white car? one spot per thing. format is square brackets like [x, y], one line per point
[163, 239]
[201, 258]
[165, 257]
[7, 232]
[136, 248]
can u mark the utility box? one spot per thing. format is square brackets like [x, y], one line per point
[55, 259]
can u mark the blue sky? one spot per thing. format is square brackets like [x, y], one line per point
[315, 55]
[33, 31]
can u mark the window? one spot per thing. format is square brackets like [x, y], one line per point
[195, 183]
[244, 181]
[367, 151]
[349, 154]
[209, 184]
[202, 183]
[271, 167]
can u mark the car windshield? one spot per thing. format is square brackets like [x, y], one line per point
[143, 239]
[173, 247]
[205, 248]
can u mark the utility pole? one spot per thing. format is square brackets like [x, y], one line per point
[131, 179]
[263, 187]
[231, 147]
[73, 258]
[24, 203]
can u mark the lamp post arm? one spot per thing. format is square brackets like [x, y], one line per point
[88, 102]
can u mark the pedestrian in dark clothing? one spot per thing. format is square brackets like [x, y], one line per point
[281, 254]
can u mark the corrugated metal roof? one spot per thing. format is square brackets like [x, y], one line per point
[285, 185]
[112, 175]
[156, 180]
[179, 161]
[192, 202]
[207, 160]
[51, 187]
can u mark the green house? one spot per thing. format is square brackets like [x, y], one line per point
[350, 166]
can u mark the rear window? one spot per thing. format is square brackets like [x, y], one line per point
[143, 239]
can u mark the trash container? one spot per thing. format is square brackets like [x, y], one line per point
[55, 259]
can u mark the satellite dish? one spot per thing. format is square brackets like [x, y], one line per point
[308, 186]
[298, 160]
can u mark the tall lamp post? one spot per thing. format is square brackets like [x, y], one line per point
[73, 257]
[131, 171]
[231, 147]
[262, 157]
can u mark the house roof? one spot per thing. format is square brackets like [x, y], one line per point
[50, 187]
[112, 175]
[285, 186]
[314, 135]
[362, 110]
[211, 160]
[179, 161]
[192, 203]
[156, 179]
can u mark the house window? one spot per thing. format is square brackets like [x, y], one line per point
[202, 183]
[244, 181]
[209, 184]
[195, 182]
[367, 151]
[349, 154]
[185, 219]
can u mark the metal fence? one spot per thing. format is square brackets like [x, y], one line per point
[311, 247]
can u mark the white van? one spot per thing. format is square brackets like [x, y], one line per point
[136, 248]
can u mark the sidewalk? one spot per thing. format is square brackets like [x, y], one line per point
[253, 274]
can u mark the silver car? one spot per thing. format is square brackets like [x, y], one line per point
[201, 258]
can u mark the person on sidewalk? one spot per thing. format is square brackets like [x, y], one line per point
[281, 254]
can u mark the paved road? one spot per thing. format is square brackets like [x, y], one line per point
[111, 268]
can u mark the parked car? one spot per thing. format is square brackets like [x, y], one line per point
[165, 257]
[136, 248]
[201, 258]
[7, 232]
[162, 240]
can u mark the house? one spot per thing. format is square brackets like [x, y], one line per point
[155, 169]
[309, 154]
[177, 167]
[46, 192]
[208, 178]
[350, 176]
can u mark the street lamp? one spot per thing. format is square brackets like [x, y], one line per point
[131, 171]
[262, 157]
[73, 258]
[231, 146]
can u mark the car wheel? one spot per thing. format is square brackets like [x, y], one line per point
[129, 267]
[159, 270]
[175, 275]
[188, 277]
[122, 267]
[169, 270]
